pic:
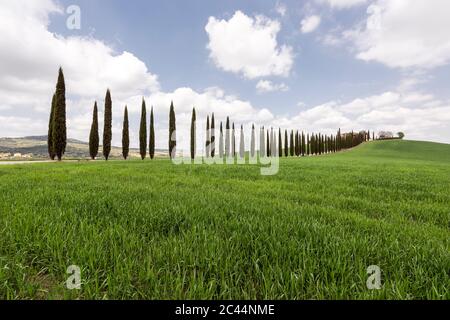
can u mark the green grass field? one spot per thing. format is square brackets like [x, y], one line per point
[153, 230]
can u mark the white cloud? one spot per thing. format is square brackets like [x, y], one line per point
[281, 9]
[342, 4]
[248, 46]
[268, 86]
[310, 23]
[419, 115]
[405, 34]
[30, 56]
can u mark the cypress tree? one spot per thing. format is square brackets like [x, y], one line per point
[323, 144]
[253, 143]
[93, 135]
[296, 143]
[107, 130]
[303, 144]
[193, 129]
[51, 152]
[125, 135]
[143, 131]
[286, 144]
[270, 148]
[151, 144]
[221, 151]
[213, 137]
[242, 143]
[338, 139]
[208, 137]
[262, 148]
[307, 144]
[59, 131]
[280, 144]
[172, 132]
[274, 143]
[320, 144]
[317, 142]
[268, 144]
[292, 144]
[227, 137]
[233, 142]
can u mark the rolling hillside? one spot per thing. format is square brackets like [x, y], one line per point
[36, 148]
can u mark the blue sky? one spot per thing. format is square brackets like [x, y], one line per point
[170, 37]
[365, 65]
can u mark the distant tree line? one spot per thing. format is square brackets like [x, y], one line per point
[271, 142]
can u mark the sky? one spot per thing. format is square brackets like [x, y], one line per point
[315, 65]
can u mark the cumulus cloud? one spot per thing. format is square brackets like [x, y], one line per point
[342, 4]
[268, 86]
[281, 9]
[419, 115]
[405, 34]
[248, 46]
[30, 56]
[309, 24]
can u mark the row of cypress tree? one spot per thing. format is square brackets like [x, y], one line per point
[294, 144]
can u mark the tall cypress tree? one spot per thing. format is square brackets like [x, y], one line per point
[51, 151]
[303, 144]
[93, 135]
[125, 135]
[233, 142]
[338, 140]
[107, 130]
[208, 138]
[151, 143]
[193, 133]
[227, 138]
[221, 149]
[292, 146]
[319, 141]
[253, 143]
[242, 143]
[213, 136]
[286, 143]
[307, 145]
[59, 131]
[280, 144]
[268, 144]
[274, 142]
[143, 131]
[262, 138]
[172, 132]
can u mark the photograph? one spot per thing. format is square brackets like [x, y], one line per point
[225, 158]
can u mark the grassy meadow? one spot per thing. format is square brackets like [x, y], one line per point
[154, 230]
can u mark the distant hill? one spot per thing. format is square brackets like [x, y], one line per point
[404, 149]
[35, 147]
